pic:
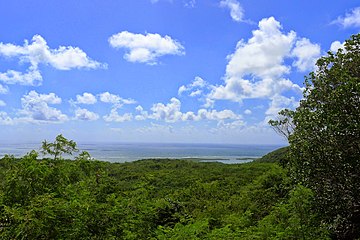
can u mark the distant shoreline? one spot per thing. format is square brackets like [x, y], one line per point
[128, 152]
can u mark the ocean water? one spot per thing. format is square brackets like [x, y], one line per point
[127, 152]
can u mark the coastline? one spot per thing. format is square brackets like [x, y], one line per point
[128, 152]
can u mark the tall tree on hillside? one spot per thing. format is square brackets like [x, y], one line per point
[325, 143]
[58, 147]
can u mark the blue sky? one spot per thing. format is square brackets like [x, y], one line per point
[193, 71]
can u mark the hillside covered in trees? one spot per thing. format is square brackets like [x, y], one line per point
[151, 199]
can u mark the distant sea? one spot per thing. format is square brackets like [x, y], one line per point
[127, 152]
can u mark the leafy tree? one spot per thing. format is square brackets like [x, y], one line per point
[84, 155]
[59, 146]
[325, 144]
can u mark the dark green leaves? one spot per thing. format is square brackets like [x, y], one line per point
[325, 144]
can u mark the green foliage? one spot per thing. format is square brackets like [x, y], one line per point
[325, 144]
[291, 219]
[148, 199]
[58, 147]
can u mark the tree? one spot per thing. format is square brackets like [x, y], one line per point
[58, 147]
[325, 144]
[84, 155]
[284, 124]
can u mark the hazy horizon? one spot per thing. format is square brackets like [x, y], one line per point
[122, 152]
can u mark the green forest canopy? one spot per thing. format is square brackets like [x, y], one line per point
[324, 137]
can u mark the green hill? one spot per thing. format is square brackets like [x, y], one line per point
[277, 156]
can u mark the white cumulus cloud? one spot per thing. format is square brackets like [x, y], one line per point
[263, 54]
[351, 19]
[109, 98]
[142, 113]
[86, 98]
[204, 114]
[117, 102]
[114, 116]
[145, 48]
[35, 108]
[238, 89]
[306, 53]
[194, 88]
[114, 99]
[31, 78]
[38, 52]
[171, 112]
[85, 115]
[257, 68]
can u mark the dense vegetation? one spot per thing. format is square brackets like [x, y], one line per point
[324, 137]
[151, 199]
